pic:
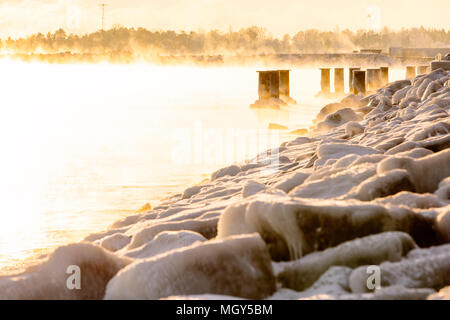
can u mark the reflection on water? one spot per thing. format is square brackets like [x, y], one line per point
[83, 145]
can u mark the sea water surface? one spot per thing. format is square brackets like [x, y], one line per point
[84, 145]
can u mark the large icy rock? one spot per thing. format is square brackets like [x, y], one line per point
[294, 227]
[333, 281]
[387, 246]
[165, 242]
[49, 280]
[426, 173]
[237, 266]
[423, 271]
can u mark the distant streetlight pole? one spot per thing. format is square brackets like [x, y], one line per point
[103, 5]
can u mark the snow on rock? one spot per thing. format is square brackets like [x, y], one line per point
[353, 128]
[49, 280]
[333, 281]
[413, 200]
[337, 119]
[426, 173]
[252, 187]
[238, 266]
[164, 242]
[294, 227]
[114, 242]
[327, 151]
[382, 185]
[189, 192]
[228, 171]
[291, 181]
[386, 246]
[333, 184]
[206, 227]
[427, 271]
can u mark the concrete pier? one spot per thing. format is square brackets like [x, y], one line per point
[284, 87]
[325, 80]
[263, 85]
[384, 76]
[373, 79]
[284, 83]
[350, 79]
[275, 84]
[339, 80]
[410, 72]
[359, 82]
[273, 89]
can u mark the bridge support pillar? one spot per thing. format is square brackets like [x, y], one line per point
[339, 80]
[373, 79]
[410, 72]
[325, 80]
[359, 82]
[384, 75]
[350, 79]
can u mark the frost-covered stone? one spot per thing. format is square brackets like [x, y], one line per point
[165, 242]
[426, 173]
[423, 272]
[295, 227]
[115, 241]
[387, 246]
[49, 280]
[238, 266]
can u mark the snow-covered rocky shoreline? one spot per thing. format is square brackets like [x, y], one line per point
[369, 185]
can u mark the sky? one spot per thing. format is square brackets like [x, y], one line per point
[23, 17]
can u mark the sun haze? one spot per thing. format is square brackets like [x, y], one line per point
[23, 17]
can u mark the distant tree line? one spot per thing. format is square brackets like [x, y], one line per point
[253, 40]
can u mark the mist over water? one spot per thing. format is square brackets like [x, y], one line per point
[83, 145]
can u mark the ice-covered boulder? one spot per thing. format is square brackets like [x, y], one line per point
[50, 280]
[227, 171]
[353, 128]
[252, 187]
[429, 271]
[426, 173]
[333, 281]
[337, 184]
[337, 119]
[327, 151]
[294, 227]
[382, 185]
[413, 200]
[164, 242]
[191, 191]
[238, 266]
[374, 249]
[115, 241]
[206, 227]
